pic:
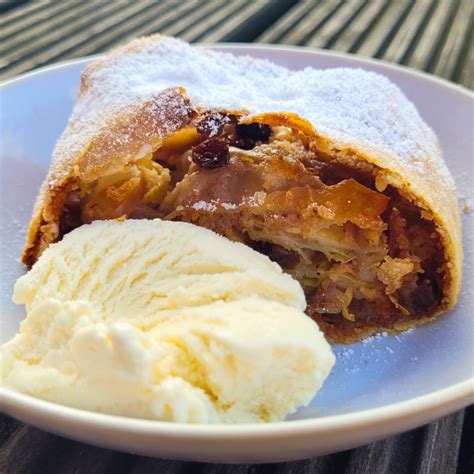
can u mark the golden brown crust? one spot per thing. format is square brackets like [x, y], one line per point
[427, 191]
[121, 141]
[340, 335]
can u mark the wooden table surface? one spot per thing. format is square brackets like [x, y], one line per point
[431, 35]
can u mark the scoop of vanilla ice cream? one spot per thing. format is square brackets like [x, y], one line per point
[166, 321]
[140, 267]
[249, 360]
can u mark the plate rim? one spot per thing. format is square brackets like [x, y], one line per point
[433, 404]
[457, 396]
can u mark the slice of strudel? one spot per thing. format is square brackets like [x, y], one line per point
[331, 173]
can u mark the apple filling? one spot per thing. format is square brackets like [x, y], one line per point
[365, 255]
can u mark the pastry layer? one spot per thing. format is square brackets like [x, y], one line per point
[365, 256]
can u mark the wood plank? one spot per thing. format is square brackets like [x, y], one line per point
[24, 11]
[385, 24]
[34, 17]
[353, 32]
[57, 41]
[107, 34]
[40, 29]
[198, 30]
[446, 63]
[349, 10]
[403, 41]
[440, 446]
[248, 31]
[202, 14]
[233, 23]
[286, 22]
[315, 18]
[464, 71]
[43, 42]
[421, 56]
[161, 21]
[466, 453]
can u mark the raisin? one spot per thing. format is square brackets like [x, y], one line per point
[212, 124]
[71, 214]
[211, 154]
[288, 259]
[255, 131]
[242, 143]
[422, 300]
[70, 220]
[262, 247]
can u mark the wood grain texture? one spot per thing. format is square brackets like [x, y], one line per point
[432, 35]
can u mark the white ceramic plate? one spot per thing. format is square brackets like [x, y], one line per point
[378, 388]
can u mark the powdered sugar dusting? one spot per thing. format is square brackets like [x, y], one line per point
[375, 337]
[204, 206]
[344, 104]
[210, 206]
[374, 351]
